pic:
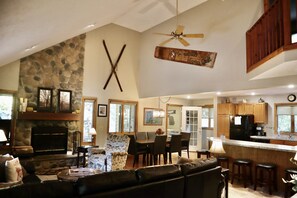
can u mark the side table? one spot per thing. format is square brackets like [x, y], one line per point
[226, 173]
[84, 150]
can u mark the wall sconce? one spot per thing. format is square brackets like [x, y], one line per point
[93, 133]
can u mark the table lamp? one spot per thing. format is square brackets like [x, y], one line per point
[2, 137]
[93, 133]
[217, 147]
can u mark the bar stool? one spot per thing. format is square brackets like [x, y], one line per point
[223, 160]
[288, 186]
[242, 164]
[269, 168]
[203, 152]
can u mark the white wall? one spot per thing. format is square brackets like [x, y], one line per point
[224, 24]
[97, 68]
[9, 76]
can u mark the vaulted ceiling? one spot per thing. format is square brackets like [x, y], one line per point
[32, 25]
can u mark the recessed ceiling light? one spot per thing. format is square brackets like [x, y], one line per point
[30, 48]
[90, 26]
[253, 93]
[219, 93]
[188, 97]
[291, 86]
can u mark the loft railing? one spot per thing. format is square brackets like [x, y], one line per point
[270, 35]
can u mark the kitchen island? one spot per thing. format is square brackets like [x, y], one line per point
[260, 153]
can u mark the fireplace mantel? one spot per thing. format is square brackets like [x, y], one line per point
[48, 116]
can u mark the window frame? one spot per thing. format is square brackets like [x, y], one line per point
[94, 99]
[276, 119]
[13, 118]
[123, 103]
[209, 118]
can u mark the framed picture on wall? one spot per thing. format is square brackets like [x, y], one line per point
[149, 119]
[44, 99]
[102, 110]
[64, 100]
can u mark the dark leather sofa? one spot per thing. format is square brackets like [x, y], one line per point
[199, 179]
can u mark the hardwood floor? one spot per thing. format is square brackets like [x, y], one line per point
[235, 190]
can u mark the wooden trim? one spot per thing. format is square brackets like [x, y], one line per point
[47, 116]
[275, 115]
[268, 57]
[122, 102]
[84, 98]
[6, 91]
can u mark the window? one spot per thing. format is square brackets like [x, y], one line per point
[6, 115]
[89, 118]
[122, 116]
[286, 116]
[207, 117]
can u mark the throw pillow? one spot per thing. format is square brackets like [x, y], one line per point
[13, 170]
[3, 159]
[183, 160]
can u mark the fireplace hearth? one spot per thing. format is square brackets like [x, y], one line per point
[49, 140]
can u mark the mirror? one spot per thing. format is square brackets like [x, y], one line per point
[173, 118]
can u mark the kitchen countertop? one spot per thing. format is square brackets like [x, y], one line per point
[258, 145]
[275, 137]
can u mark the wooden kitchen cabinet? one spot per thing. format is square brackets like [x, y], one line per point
[244, 109]
[223, 125]
[261, 113]
[226, 109]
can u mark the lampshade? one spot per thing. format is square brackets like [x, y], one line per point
[217, 147]
[2, 136]
[93, 131]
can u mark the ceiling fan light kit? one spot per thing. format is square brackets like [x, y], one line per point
[178, 34]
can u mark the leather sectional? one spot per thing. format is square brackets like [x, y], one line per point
[199, 179]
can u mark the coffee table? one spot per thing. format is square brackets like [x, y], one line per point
[76, 173]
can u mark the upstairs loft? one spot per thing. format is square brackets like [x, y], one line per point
[271, 44]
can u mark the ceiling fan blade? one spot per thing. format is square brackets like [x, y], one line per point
[193, 35]
[179, 29]
[163, 34]
[183, 41]
[166, 41]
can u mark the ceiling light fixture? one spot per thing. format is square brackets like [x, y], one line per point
[291, 86]
[188, 97]
[219, 93]
[253, 93]
[160, 113]
[90, 26]
[30, 48]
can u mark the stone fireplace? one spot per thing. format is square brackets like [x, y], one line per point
[57, 67]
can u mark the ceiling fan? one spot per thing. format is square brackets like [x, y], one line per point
[178, 34]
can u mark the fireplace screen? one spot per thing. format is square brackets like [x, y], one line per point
[49, 140]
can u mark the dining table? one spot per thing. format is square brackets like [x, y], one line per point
[149, 142]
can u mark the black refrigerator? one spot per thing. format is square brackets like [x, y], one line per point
[242, 127]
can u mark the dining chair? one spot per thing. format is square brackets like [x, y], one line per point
[185, 142]
[174, 146]
[141, 135]
[157, 149]
[136, 150]
[151, 135]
